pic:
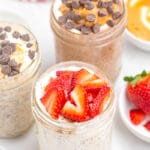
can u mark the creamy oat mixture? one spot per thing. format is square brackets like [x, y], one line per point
[17, 49]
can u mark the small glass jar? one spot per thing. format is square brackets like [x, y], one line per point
[94, 134]
[15, 99]
[103, 49]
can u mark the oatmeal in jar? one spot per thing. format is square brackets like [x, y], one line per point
[74, 105]
[19, 64]
[89, 31]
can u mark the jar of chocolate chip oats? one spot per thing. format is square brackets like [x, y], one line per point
[19, 64]
[89, 31]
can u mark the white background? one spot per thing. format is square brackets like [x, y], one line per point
[36, 16]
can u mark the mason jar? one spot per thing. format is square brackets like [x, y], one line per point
[15, 97]
[103, 49]
[94, 134]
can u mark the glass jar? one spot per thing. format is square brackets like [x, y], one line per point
[94, 134]
[15, 100]
[103, 49]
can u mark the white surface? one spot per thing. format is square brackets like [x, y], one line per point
[134, 60]
[124, 108]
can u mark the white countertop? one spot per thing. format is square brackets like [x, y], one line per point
[134, 60]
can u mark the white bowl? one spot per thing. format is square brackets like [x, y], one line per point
[124, 107]
[142, 44]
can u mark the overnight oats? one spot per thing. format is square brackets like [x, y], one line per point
[89, 31]
[19, 65]
[74, 106]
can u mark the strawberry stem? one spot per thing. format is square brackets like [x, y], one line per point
[134, 79]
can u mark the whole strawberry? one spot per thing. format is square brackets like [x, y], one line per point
[138, 91]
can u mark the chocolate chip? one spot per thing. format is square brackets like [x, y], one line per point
[102, 13]
[64, 1]
[69, 25]
[89, 5]
[2, 36]
[7, 28]
[99, 5]
[16, 68]
[62, 20]
[6, 69]
[69, 15]
[13, 46]
[12, 63]
[90, 17]
[31, 54]
[116, 15]
[1, 29]
[96, 28]
[4, 43]
[13, 73]
[7, 50]
[69, 4]
[75, 4]
[79, 26]
[82, 2]
[29, 45]
[25, 37]
[77, 17]
[16, 34]
[0, 51]
[4, 59]
[116, 1]
[110, 23]
[110, 9]
[86, 30]
[106, 4]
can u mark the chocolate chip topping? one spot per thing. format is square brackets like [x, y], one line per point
[90, 17]
[79, 26]
[31, 54]
[62, 19]
[69, 4]
[6, 70]
[64, 1]
[1, 29]
[25, 37]
[4, 59]
[96, 28]
[4, 43]
[0, 51]
[82, 2]
[69, 25]
[99, 4]
[89, 5]
[16, 34]
[86, 30]
[7, 50]
[102, 13]
[12, 63]
[76, 17]
[110, 9]
[29, 45]
[116, 1]
[16, 68]
[13, 46]
[75, 4]
[2, 36]
[116, 15]
[13, 73]
[110, 23]
[7, 29]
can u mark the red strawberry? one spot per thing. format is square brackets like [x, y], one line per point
[54, 101]
[147, 125]
[97, 105]
[138, 91]
[77, 112]
[82, 76]
[136, 116]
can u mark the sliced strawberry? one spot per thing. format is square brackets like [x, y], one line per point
[136, 116]
[54, 101]
[147, 125]
[97, 105]
[82, 76]
[78, 111]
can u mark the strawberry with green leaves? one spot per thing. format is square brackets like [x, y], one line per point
[138, 91]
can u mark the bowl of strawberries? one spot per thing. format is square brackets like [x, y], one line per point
[134, 105]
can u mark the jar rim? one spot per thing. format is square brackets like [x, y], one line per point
[68, 126]
[37, 60]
